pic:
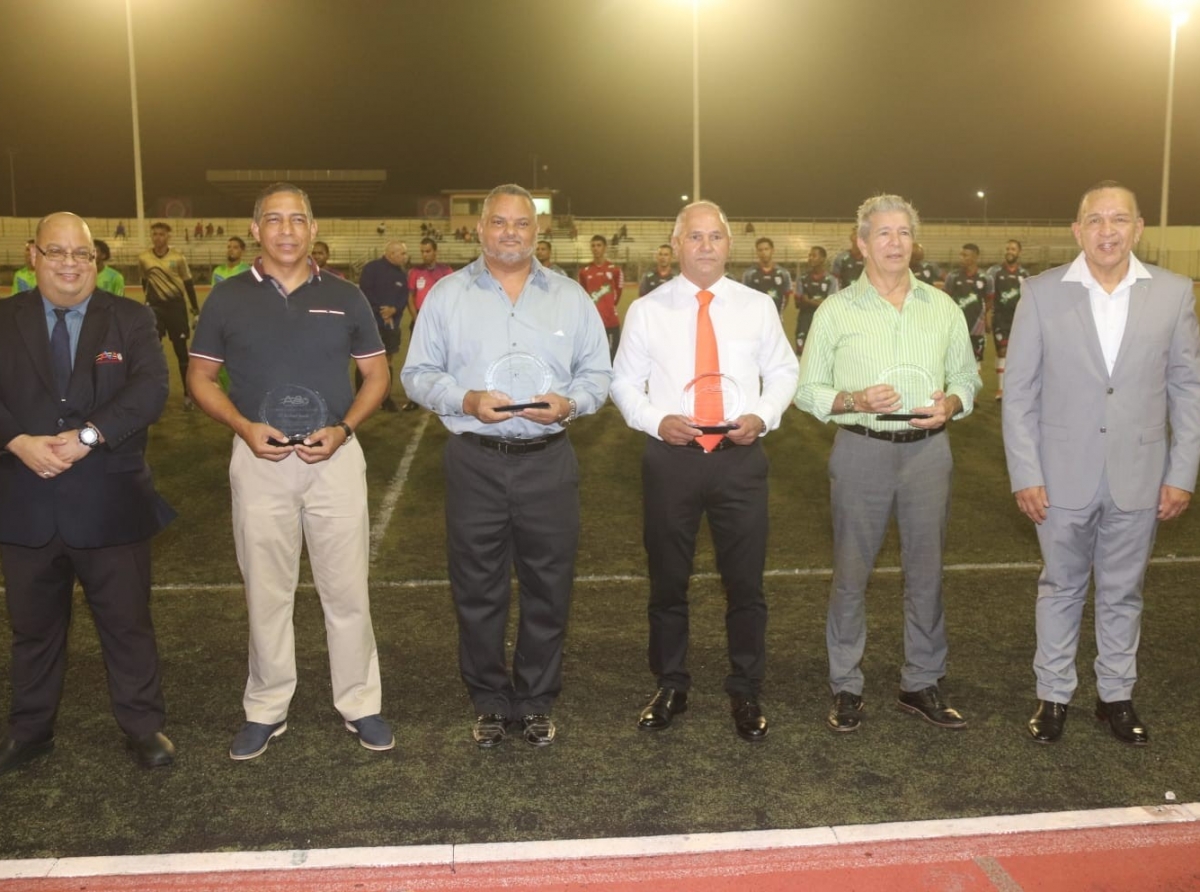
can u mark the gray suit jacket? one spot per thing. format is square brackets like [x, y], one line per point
[1067, 422]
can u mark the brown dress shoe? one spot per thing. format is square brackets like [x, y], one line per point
[1047, 723]
[1124, 722]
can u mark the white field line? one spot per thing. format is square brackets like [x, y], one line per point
[601, 579]
[395, 489]
[449, 855]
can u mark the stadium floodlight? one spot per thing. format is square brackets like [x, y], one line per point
[696, 98]
[983, 196]
[1179, 10]
[683, 198]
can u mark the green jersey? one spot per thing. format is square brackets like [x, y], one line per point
[108, 279]
[23, 280]
[221, 273]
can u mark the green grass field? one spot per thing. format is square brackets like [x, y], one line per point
[316, 787]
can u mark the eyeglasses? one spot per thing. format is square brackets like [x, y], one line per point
[56, 254]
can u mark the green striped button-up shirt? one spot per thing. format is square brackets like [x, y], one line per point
[859, 339]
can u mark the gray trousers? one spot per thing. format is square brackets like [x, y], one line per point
[1115, 546]
[869, 481]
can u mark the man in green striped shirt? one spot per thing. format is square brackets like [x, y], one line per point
[107, 278]
[889, 359]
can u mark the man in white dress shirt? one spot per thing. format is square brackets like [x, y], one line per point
[686, 473]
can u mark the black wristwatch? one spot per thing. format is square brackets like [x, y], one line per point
[346, 428]
[89, 436]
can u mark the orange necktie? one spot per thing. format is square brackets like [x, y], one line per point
[710, 407]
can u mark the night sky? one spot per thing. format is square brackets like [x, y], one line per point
[807, 106]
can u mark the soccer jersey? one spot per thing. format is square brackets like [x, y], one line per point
[23, 280]
[846, 268]
[971, 294]
[108, 279]
[776, 283]
[651, 279]
[221, 273]
[603, 283]
[422, 278]
[814, 288]
[927, 272]
[1006, 286]
[163, 277]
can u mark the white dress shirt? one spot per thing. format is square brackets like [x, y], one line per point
[1109, 311]
[657, 355]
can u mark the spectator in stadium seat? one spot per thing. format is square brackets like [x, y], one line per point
[24, 279]
[512, 480]
[166, 281]
[1102, 434]
[290, 493]
[82, 376]
[603, 281]
[848, 265]
[1006, 281]
[660, 273]
[702, 322]
[888, 344]
[812, 289]
[544, 253]
[971, 289]
[234, 265]
[320, 256]
[107, 278]
[773, 281]
[384, 281]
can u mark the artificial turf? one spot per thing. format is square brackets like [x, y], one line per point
[315, 787]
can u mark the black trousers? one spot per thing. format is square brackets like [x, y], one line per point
[679, 484]
[116, 583]
[506, 511]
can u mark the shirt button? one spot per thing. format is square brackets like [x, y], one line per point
[1109, 390]
[1104, 430]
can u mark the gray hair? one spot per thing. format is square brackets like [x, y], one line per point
[885, 204]
[1097, 187]
[275, 189]
[702, 203]
[507, 189]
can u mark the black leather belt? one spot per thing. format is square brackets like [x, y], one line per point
[908, 436]
[512, 446]
[725, 443]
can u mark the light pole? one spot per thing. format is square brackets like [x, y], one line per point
[983, 195]
[137, 139]
[1179, 15]
[695, 100]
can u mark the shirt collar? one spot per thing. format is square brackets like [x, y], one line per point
[314, 271]
[477, 269]
[80, 308]
[864, 292]
[1079, 272]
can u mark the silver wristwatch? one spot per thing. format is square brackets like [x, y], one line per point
[848, 402]
[571, 416]
[89, 436]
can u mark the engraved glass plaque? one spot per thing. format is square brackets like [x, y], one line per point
[295, 410]
[731, 402]
[915, 387]
[521, 376]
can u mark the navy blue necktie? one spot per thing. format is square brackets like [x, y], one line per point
[60, 352]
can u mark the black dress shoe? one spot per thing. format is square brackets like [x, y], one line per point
[663, 706]
[846, 712]
[489, 730]
[153, 750]
[1125, 724]
[537, 729]
[15, 753]
[928, 704]
[748, 718]
[1047, 723]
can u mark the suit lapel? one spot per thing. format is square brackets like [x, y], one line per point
[1139, 298]
[1087, 323]
[31, 321]
[91, 337]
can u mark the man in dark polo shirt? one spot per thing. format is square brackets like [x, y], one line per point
[385, 283]
[284, 324]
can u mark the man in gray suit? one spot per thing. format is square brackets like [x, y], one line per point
[1104, 353]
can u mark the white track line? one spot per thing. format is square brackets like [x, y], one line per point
[396, 488]
[628, 847]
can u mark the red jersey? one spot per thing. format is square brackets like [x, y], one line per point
[422, 278]
[603, 283]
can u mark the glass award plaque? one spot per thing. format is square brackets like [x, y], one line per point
[521, 376]
[694, 397]
[295, 410]
[914, 385]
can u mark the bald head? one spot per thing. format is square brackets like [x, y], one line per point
[57, 218]
[396, 253]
